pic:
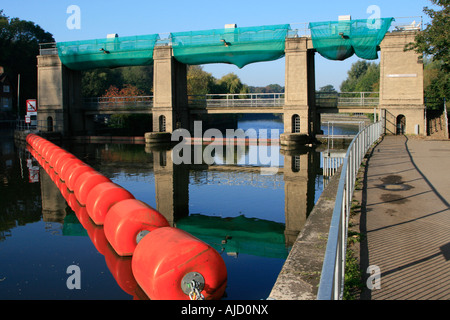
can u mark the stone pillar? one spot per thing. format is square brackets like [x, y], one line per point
[59, 96]
[299, 93]
[170, 106]
[401, 84]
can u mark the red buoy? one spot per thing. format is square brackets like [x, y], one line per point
[68, 166]
[128, 221]
[61, 161]
[85, 183]
[169, 264]
[75, 174]
[102, 197]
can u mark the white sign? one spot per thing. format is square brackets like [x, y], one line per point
[31, 107]
[27, 119]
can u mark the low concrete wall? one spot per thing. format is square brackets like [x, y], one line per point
[300, 276]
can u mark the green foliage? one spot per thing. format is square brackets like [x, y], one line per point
[271, 88]
[363, 76]
[130, 124]
[434, 40]
[327, 88]
[434, 43]
[95, 82]
[230, 83]
[19, 46]
[199, 82]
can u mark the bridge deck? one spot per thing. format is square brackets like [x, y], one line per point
[347, 102]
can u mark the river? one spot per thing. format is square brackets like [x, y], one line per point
[250, 215]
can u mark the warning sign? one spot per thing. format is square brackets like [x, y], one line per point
[31, 107]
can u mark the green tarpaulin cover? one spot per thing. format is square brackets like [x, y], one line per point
[238, 46]
[108, 52]
[338, 40]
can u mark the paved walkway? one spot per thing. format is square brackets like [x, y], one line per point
[406, 214]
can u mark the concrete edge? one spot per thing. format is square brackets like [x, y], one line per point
[300, 275]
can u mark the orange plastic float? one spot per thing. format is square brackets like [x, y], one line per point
[68, 166]
[85, 183]
[75, 174]
[128, 221]
[169, 264]
[55, 156]
[62, 160]
[102, 197]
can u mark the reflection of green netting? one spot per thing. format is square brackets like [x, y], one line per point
[239, 46]
[338, 40]
[251, 236]
[108, 52]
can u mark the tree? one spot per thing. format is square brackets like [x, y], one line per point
[199, 82]
[230, 83]
[19, 45]
[327, 88]
[434, 42]
[363, 76]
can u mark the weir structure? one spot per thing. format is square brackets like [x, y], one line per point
[401, 102]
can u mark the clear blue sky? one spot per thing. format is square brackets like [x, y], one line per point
[127, 18]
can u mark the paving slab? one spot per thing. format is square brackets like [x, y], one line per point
[406, 219]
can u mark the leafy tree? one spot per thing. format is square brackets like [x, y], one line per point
[363, 76]
[19, 46]
[434, 42]
[95, 82]
[140, 77]
[230, 83]
[327, 88]
[199, 82]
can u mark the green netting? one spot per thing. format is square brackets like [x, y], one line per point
[108, 52]
[238, 46]
[338, 40]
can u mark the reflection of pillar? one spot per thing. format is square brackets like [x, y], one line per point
[53, 203]
[171, 186]
[299, 190]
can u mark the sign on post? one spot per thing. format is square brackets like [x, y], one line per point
[31, 107]
[27, 119]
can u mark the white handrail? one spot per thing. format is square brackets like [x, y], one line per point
[331, 285]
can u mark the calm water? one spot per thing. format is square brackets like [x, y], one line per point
[250, 216]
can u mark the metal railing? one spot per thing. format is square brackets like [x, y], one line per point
[118, 103]
[39, 125]
[237, 100]
[331, 285]
[350, 99]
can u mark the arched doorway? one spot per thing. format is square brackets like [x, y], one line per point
[401, 124]
[295, 123]
[162, 123]
[49, 124]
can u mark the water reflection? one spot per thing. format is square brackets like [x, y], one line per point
[251, 218]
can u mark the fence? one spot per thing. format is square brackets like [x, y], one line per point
[331, 285]
[237, 100]
[118, 103]
[39, 125]
[347, 99]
